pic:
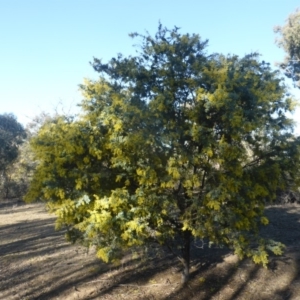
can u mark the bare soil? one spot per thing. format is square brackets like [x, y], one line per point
[37, 263]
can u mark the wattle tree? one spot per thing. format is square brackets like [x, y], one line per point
[172, 145]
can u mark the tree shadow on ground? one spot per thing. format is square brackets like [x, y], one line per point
[37, 263]
[35, 259]
[233, 279]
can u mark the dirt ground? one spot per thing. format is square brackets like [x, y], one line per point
[37, 263]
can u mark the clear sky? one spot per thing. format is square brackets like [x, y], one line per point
[46, 46]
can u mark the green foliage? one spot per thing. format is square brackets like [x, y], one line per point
[289, 40]
[171, 145]
[12, 135]
[18, 171]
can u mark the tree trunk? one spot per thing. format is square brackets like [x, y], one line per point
[186, 256]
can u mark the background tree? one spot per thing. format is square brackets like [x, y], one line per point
[12, 135]
[19, 169]
[172, 145]
[289, 40]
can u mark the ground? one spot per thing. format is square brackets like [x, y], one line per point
[37, 263]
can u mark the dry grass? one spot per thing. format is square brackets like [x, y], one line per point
[37, 263]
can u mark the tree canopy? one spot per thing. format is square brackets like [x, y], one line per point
[172, 145]
[12, 134]
[289, 40]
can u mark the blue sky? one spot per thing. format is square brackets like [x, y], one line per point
[46, 46]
